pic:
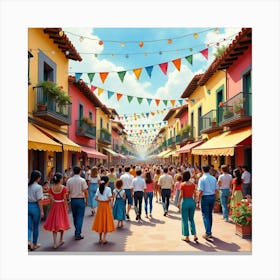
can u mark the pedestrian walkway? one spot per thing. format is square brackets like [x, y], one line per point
[156, 235]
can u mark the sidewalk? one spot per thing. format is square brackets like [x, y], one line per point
[156, 235]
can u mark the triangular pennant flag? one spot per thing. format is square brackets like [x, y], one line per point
[147, 114]
[119, 96]
[172, 102]
[139, 99]
[93, 88]
[90, 76]
[205, 53]
[121, 75]
[137, 72]
[103, 76]
[110, 94]
[129, 98]
[177, 63]
[100, 91]
[153, 113]
[180, 101]
[157, 101]
[163, 67]
[149, 70]
[189, 58]
[78, 76]
[149, 100]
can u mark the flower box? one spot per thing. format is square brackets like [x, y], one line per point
[244, 231]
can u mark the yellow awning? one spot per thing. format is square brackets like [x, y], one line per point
[224, 144]
[171, 153]
[40, 141]
[160, 155]
[68, 145]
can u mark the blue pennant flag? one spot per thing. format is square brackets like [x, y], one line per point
[78, 76]
[149, 70]
[110, 94]
[149, 100]
[180, 101]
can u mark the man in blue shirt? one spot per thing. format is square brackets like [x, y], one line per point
[208, 190]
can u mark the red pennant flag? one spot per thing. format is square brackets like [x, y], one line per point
[93, 88]
[103, 76]
[163, 67]
[177, 63]
[119, 96]
[204, 53]
[157, 101]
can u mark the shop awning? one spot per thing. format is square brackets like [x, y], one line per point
[92, 153]
[113, 153]
[224, 144]
[187, 148]
[68, 145]
[37, 140]
[123, 156]
[171, 153]
[161, 155]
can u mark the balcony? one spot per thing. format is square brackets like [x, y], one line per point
[50, 110]
[85, 129]
[178, 139]
[209, 122]
[104, 136]
[187, 134]
[171, 141]
[236, 111]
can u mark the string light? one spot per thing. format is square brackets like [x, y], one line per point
[61, 33]
[195, 35]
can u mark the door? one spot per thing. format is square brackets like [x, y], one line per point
[220, 98]
[58, 163]
[247, 92]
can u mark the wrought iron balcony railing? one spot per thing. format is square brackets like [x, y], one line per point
[85, 129]
[104, 136]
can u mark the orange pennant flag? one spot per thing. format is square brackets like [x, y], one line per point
[157, 101]
[137, 72]
[100, 91]
[177, 63]
[172, 102]
[153, 113]
[103, 76]
[119, 96]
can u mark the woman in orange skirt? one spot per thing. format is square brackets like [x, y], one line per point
[104, 221]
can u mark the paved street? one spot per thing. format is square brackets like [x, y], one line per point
[156, 235]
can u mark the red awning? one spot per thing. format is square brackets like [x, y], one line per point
[92, 153]
[187, 148]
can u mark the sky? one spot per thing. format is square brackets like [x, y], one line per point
[125, 49]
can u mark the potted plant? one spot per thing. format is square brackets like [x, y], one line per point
[228, 113]
[238, 107]
[41, 106]
[217, 206]
[241, 215]
[213, 122]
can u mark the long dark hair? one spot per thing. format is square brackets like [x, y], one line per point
[186, 176]
[103, 181]
[237, 174]
[35, 174]
[148, 178]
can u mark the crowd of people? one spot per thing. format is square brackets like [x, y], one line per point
[110, 194]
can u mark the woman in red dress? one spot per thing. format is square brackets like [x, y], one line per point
[57, 220]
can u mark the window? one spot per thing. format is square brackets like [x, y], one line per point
[90, 115]
[30, 55]
[47, 68]
[101, 123]
[199, 123]
[81, 111]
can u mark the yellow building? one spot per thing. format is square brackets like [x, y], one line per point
[49, 110]
[204, 97]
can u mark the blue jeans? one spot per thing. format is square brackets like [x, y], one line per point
[165, 196]
[91, 195]
[207, 205]
[224, 195]
[78, 206]
[149, 199]
[34, 216]
[187, 212]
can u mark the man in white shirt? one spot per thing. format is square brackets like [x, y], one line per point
[166, 183]
[139, 187]
[246, 184]
[224, 183]
[127, 187]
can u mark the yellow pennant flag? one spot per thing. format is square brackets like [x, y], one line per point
[137, 72]
[100, 91]
[172, 102]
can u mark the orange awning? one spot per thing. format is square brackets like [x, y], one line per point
[224, 144]
[92, 153]
[37, 140]
[68, 145]
[187, 148]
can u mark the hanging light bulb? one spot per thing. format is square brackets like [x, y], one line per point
[96, 55]
[195, 35]
[141, 44]
[127, 56]
[216, 30]
[169, 41]
[81, 38]
[191, 49]
[160, 52]
[122, 44]
[145, 54]
[100, 42]
[61, 33]
[67, 52]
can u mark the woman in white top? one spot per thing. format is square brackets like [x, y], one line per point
[103, 221]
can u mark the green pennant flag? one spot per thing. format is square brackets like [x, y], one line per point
[90, 76]
[121, 75]
[129, 98]
[139, 99]
[189, 58]
[165, 102]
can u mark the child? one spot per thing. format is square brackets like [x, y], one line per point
[103, 221]
[177, 187]
[119, 203]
